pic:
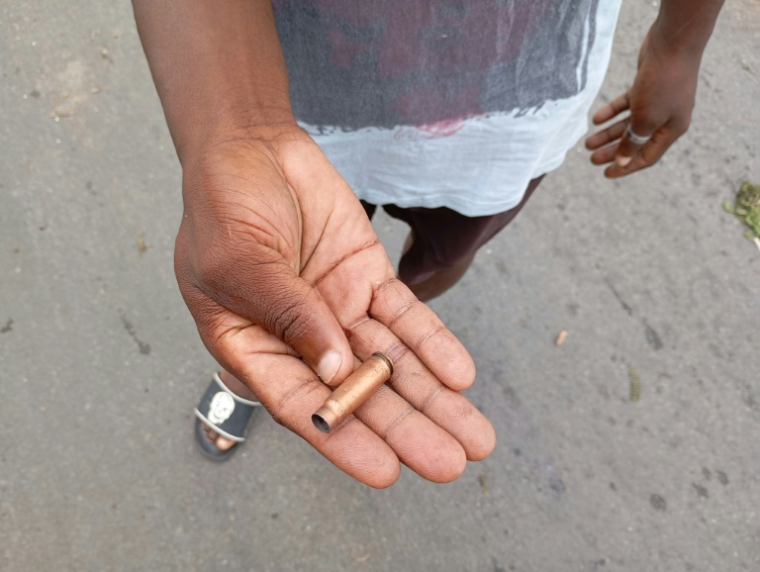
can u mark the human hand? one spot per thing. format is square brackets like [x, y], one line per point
[277, 260]
[660, 102]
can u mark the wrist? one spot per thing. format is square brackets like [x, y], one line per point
[669, 47]
[683, 27]
[218, 67]
[233, 121]
[669, 58]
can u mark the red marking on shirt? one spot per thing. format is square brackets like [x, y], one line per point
[445, 128]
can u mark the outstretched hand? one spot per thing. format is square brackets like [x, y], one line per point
[285, 277]
[660, 103]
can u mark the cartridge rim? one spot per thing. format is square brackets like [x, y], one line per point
[386, 359]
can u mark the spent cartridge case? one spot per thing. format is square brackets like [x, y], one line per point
[350, 394]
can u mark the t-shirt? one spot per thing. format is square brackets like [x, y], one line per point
[439, 103]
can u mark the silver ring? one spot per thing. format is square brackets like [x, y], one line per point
[635, 139]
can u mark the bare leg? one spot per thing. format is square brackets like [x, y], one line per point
[441, 280]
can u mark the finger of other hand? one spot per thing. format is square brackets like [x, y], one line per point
[604, 155]
[626, 150]
[615, 107]
[646, 155]
[605, 136]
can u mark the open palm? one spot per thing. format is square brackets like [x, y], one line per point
[285, 277]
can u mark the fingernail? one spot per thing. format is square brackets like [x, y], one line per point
[623, 161]
[329, 366]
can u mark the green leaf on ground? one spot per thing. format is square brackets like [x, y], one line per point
[747, 207]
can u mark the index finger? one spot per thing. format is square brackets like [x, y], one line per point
[613, 108]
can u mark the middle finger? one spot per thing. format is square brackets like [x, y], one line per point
[611, 133]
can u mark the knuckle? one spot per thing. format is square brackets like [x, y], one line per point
[461, 408]
[397, 352]
[396, 421]
[277, 418]
[287, 410]
[433, 334]
[644, 123]
[681, 126]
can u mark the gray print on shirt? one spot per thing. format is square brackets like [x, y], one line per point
[384, 63]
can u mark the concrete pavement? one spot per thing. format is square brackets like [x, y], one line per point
[100, 363]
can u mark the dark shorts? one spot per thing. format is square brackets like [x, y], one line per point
[443, 238]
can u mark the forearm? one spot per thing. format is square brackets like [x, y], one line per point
[685, 26]
[217, 65]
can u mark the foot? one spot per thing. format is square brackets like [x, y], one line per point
[238, 388]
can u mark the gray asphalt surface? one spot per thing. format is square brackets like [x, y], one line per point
[100, 363]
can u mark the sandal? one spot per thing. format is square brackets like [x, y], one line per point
[225, 413]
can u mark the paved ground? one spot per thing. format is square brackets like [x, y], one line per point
[100, 364]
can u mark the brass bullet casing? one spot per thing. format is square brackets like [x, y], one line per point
[350, 394]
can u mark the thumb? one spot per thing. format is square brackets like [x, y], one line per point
[297, 314]
[635, 136]
[271, 295]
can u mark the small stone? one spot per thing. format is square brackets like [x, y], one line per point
[658, 502]
[142, 248]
